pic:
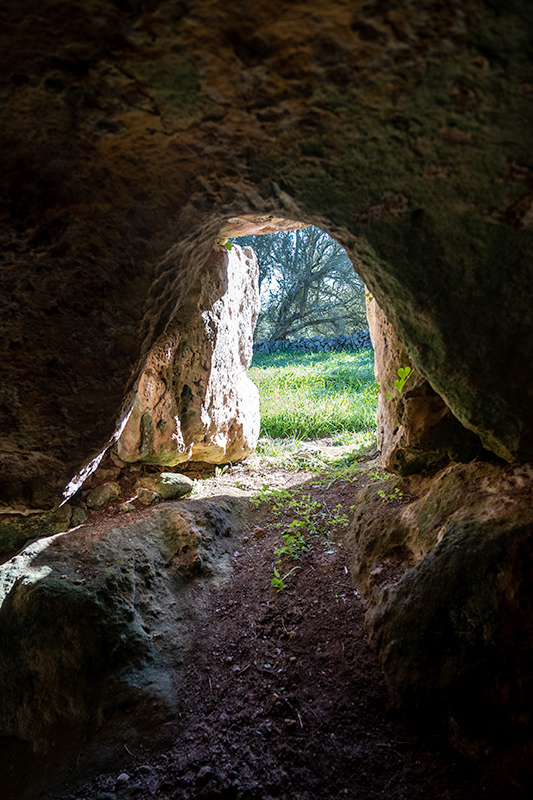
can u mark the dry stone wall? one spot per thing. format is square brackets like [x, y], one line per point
[317, 344]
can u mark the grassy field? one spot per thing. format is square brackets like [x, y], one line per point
[315, 395]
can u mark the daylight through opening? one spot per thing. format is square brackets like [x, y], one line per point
[313, 361]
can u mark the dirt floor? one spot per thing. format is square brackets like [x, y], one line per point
[281, 697]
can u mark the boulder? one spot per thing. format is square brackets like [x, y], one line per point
[169, 485]
[194, 400]
[104, 475]
[92, 620]
[447, 569]
[79, 516]
[102, 494]
[147, 496]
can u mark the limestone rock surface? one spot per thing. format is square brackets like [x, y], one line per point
[194, 400]
[103, 475]
[453, 627]
[89, 619]
[148, 497]
[17, 529]
[415, 427]
[102, 494]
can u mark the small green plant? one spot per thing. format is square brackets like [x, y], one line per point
[345, 471]
[293, 540]
[396, 494]
[278, 582]
[403, 374]
[376, 476]
[266, 494]
[339, 518]
[310, 517]
[221, 242]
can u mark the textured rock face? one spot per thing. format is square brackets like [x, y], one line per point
[103, 494]
[415, 427]
[194, 399]
[132, 132]
[454, 631]
[86, 619]
[17, 529]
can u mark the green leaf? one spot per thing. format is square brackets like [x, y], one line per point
[403, 374]
[228, 245]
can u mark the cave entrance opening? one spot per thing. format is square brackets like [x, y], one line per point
[313, 365]
[313, 360]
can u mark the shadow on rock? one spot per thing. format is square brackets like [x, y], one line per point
[92, 623]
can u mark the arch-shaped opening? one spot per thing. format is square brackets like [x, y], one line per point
[192, 399]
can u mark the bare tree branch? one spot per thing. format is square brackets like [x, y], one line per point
[307, 283]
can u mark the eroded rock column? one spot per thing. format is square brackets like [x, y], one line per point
[194, 400]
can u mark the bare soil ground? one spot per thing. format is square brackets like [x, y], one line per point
[281, 697]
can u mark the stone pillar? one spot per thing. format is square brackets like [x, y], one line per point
[194, 401]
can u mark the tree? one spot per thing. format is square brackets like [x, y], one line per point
[308, 285]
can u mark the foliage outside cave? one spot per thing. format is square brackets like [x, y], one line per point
[307, 284]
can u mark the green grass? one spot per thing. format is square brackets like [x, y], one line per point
[315, 395]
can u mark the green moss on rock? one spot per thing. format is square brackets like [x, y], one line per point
[17, 529]
[175, 89]
[449, 147]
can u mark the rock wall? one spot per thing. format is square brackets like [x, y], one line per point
[415, 428]
[444, 561]
[92, 621]
[194, 400]
[134, 135]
